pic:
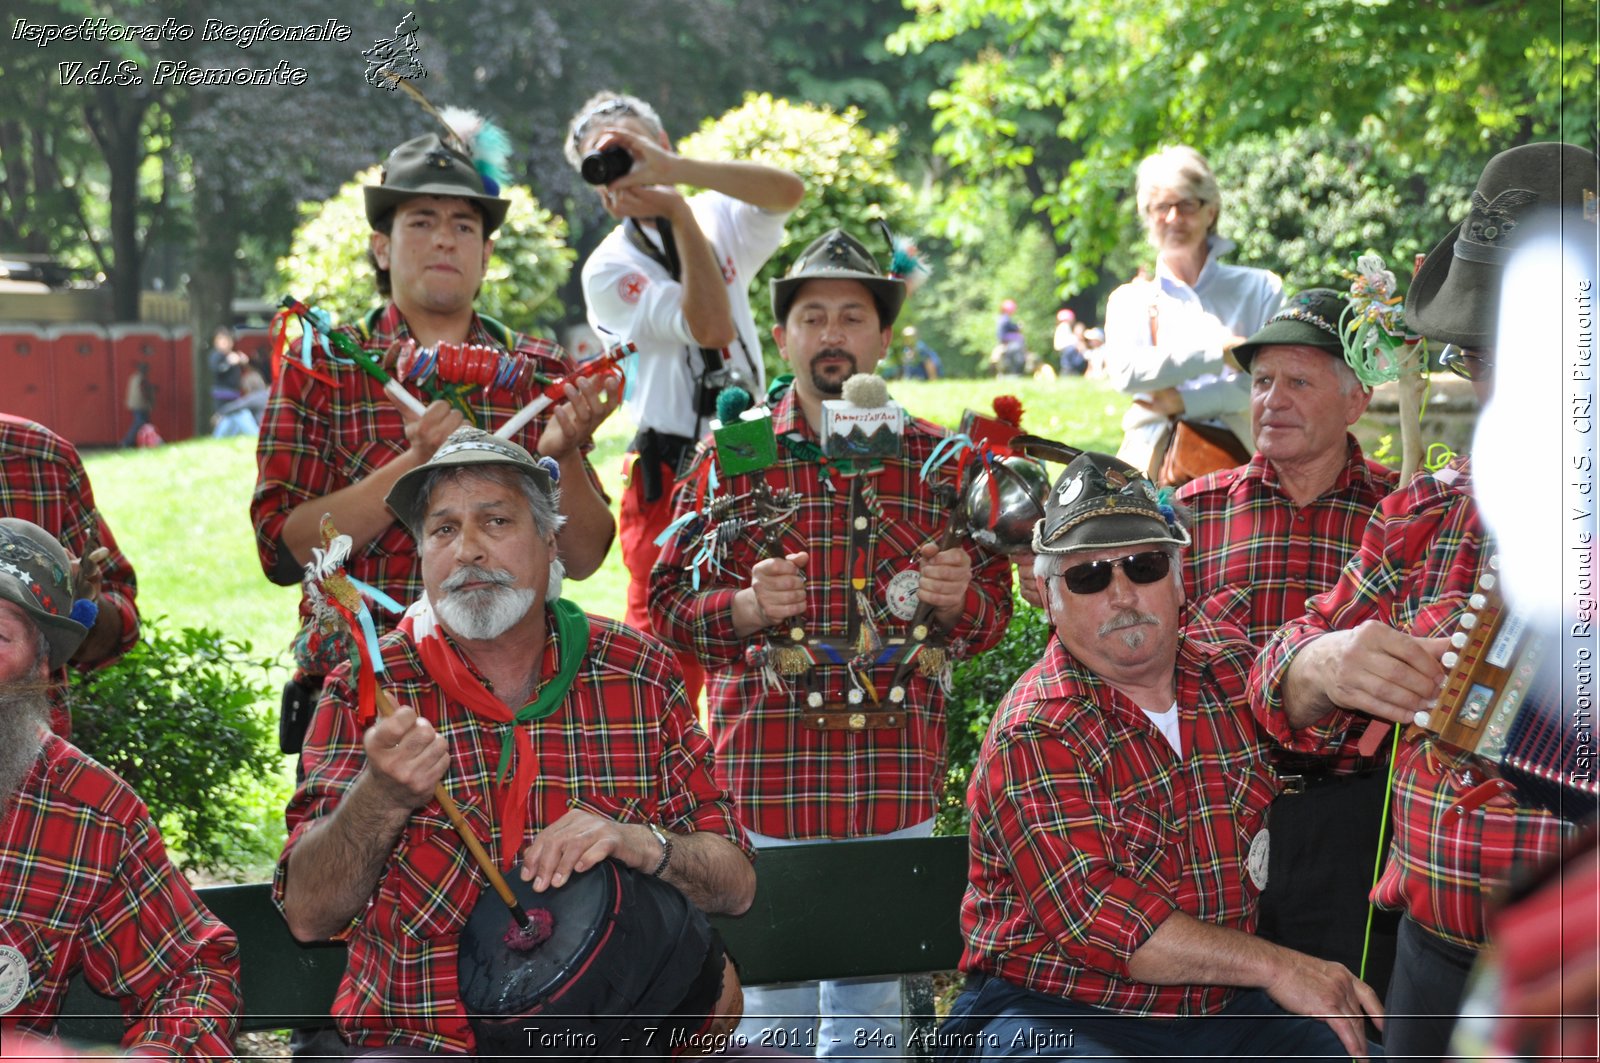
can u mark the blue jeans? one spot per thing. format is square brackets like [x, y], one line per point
[849, 1018]
[993, 1019]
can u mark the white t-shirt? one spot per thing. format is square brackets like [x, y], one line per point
[631, 297]
[1167, 724]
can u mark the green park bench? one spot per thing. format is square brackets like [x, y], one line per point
[879, 907]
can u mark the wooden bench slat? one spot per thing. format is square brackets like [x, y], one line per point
[874, 907]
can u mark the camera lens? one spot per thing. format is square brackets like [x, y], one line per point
[604, 166]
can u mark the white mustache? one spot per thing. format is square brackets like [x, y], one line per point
[1126, 619]
[477, 574]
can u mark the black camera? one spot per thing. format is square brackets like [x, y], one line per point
[606, 165]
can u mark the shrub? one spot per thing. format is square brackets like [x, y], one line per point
[327, 262]
[186, 720]
[979, 684]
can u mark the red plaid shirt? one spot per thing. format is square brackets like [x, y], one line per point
[42, 480]
[624, 745]
[1088, 831]
[85, 885]
[317, 439]
[1257, 557]
[1418, 562]
[790, 781]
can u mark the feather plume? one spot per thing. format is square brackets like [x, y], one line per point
[485, 143]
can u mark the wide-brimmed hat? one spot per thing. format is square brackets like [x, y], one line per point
[1098, 502]
[427, 166]
[1455, 294]
[36, 574]
[1310, 319]
[475, 447]
[836, 255]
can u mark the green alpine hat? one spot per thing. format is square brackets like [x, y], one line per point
[1455, 295]
[1099, 501]
[469, 446]
[836, 255]
[427, 166]
[36, 574]
[1310, 318]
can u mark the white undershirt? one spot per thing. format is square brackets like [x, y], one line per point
[1167, 724]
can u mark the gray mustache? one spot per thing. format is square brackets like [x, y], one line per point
[477, 574]
[1130, 618]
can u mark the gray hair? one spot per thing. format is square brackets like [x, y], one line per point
[546, 508]
[603, 104]
[1181, 168]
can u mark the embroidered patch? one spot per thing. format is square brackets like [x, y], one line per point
[632, 286]
[1256, 862]
[901, 594]
[13, 978]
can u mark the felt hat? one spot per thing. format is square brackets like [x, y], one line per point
[1455, 294]
[427, 166]
[475, 447]
[1310, 319]
[836, 255]
[1099, 501]
[36, 574]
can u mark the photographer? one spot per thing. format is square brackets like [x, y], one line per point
[674, 279]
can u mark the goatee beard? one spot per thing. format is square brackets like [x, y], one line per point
[824, 386]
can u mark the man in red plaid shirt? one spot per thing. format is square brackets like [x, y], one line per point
[1267, 536]
[1371, 646]
[1118, 807]
[604, 759]
[85, 883]
[339, 448]
[836, 754]
[42, 480]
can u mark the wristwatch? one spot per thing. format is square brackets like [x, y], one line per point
[666, 848]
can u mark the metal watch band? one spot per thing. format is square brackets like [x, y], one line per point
[666, 849]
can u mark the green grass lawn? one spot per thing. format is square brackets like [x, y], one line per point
[181, 513]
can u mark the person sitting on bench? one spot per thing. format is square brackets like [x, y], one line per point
[85, 883]
[1118, 806]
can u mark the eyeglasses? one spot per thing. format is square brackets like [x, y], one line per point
[1469, 365]
[1185, 207]
[1095, 576]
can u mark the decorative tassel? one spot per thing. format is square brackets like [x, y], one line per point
[868, 640]
[485, 143]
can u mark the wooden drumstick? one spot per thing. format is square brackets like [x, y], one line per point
[386, 708]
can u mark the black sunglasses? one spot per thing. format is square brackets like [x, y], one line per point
[1469, 365]
[1094, 577]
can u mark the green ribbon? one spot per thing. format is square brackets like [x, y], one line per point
[572, 643]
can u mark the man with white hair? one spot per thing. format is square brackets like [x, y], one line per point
[1267, 536]
[1118, 805]
[85, 883]
[1166, 337]
[603, 759]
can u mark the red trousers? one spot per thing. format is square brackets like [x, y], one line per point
[638, 524]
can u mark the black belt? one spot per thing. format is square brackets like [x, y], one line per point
[1298, 782]
[656, 449]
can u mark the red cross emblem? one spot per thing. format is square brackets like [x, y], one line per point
[631, 287]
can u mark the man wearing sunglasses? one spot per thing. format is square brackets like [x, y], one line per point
[1372, 645]
[1118, 807]
[1267, 536]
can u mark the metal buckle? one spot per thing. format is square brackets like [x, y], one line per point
[1293, 784]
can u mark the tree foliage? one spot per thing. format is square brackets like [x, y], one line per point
[1120, 78]
[848, 171]
[328, 266]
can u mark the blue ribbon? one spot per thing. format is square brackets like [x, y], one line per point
[949, 447]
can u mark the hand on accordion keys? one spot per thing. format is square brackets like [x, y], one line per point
[1372, 669]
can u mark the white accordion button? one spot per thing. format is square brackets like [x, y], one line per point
[1468, 621]
[1420, 719]
[1477, 601]
[1449, 660]
[1486, 581]
[1459, 639]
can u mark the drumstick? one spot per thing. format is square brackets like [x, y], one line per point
[386, 708]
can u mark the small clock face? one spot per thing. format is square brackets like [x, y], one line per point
[13, 978]
[901, 595]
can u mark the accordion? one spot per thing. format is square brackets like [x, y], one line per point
[1503, 704]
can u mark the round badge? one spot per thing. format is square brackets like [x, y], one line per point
[901, 595]
[13, 978]
[1069, 492]
[1256, 862]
